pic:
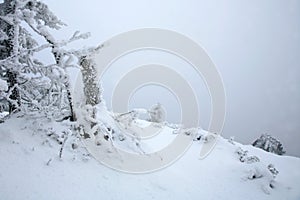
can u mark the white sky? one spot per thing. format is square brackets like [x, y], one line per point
[254, 44]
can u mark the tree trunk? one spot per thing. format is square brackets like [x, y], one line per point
[92, 91]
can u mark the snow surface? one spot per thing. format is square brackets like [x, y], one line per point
[31, 169]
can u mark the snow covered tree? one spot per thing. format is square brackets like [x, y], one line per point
[269, 144]
[157, 113]
[43, 90]
[32, 85]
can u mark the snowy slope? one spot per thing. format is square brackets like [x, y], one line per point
[31, 169]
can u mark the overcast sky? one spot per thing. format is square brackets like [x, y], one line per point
[254, 44]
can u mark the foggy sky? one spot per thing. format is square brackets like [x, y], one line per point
[254, 44]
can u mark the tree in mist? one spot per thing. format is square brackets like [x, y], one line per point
[269, 144]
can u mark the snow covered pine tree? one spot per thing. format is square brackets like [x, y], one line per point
[269, 144]
[34, 87]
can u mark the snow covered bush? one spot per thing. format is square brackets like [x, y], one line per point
[243, 156]
[127, 118]
[258, 170]
[268, 174]
[269, 144]
[273, 170]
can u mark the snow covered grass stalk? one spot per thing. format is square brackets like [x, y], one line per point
[63, 144]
